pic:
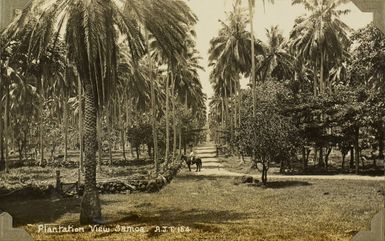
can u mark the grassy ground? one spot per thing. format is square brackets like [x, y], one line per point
[18, 177]
[215, 209]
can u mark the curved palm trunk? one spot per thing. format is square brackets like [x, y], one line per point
[253, 80]
[153, 108]
[90, 205]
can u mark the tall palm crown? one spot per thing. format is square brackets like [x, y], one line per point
[321, 36]
[229, 53]
[231, 48]
[278, 62]
[189, 87]
[321, 28]
[169, 23]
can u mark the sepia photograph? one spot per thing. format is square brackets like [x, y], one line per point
[217, 120]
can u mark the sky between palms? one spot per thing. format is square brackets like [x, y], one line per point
[281, 13]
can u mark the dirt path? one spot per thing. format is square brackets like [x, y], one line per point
[212, 167]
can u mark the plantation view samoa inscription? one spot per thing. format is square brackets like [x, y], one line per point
[192, 120]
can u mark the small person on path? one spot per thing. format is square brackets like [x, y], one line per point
[192, 155]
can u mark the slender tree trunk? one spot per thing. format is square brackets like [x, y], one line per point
[315, 82]
[109, 130]
[343, 160]
[65, 107]
[81, 142]
[99, 138]
[305, 159]
[357, 148]
[153, 108]
[167, 117]
[351, 163]
[222, 119]
[264, 173]
[2, 161]
[253, 80]
[174, 120]
[127, 124]
[321, 162]
[328, 151]
[123, 137]
[186, 101]
[90, 205]
[137, 149]
[322, 73]
[236, 106]
[6, 129]
[380, 137]
[239, 107]
[180, 140]
[41, 120]
[226, 114]
[154, 126]
[230, 113]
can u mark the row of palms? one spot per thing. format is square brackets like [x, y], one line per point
[317, 46]
[112, 55]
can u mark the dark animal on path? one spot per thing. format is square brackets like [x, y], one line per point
[189, 162]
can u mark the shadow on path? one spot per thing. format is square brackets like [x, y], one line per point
[286, 184]
[39, 210]
[182, 217]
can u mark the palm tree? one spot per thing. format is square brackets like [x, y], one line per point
[253, 82]
[186, 86]
[277, 61]
[229, 55]
[188, 89]
[8, 76]
[321, 37]
[169, 42]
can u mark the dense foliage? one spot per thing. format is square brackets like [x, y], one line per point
[318, 91]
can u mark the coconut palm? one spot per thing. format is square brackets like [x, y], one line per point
[321, 37]
[277, 61]
[167, 41]
[11, 82]
[253, 82]
[229, 54]
[187, 87]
